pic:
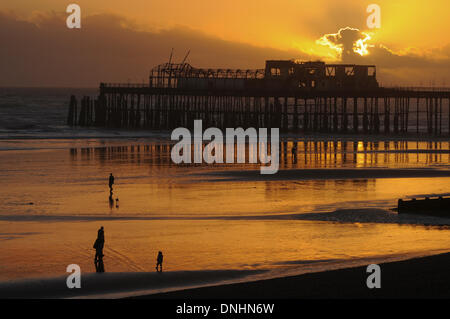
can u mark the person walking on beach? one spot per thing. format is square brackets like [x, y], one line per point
[159, 261]
[111, 182]
[98, 246]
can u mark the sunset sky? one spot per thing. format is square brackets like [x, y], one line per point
[121, 40]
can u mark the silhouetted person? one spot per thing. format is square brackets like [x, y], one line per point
[98, 246]
[159, 261]
[111, 182]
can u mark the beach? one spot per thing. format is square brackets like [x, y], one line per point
[321, 213]
[331, 206]
[425, 277]
[324, 212]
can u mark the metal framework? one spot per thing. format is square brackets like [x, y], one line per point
[175, 75]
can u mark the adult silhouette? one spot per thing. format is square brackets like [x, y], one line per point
[98, 246]
[111, 182]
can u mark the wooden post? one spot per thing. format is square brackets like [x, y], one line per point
[355, 115]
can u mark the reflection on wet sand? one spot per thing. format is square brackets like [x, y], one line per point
[293, 154]
[165, 188]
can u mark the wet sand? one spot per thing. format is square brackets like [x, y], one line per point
[115, 285]
[426, 277]
[312, 174]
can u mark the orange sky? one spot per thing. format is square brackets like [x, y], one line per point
[413, 28]
[282, 24]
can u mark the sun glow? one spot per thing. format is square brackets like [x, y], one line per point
[361, 46]
[349, 40]
[325, 41]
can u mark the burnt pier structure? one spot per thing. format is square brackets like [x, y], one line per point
[290, 95]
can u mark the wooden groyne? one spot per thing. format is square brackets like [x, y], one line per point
[439, 206]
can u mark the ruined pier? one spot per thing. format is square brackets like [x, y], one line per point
[295, 97]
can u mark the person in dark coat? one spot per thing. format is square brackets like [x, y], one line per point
[98, 246]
